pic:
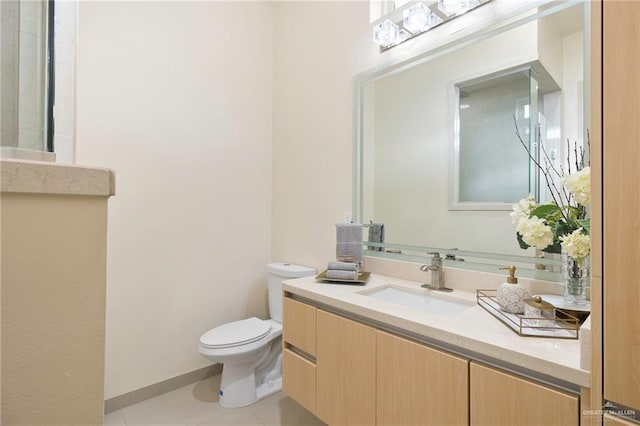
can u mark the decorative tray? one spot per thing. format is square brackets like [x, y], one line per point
[564, 326]
[363, 277]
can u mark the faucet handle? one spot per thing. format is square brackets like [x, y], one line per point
[435, 254]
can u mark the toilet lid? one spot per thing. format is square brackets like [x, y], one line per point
[235, 333]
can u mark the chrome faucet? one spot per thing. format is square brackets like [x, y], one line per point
[437, 274]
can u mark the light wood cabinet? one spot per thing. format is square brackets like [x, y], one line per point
[299, 342]
[299, 379]
[610, 420]
[361, 375]
[346, 371]
[300, 325]
[417, 385]
[621, 157]
[500, 398]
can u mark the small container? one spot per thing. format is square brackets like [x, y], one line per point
[511, 295]
[539, 313]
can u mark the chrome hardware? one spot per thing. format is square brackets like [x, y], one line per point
[437, 274]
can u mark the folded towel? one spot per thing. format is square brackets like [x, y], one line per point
[343, 266]
[349, 252]
[376, 235]
[336, 274]
[349, 232]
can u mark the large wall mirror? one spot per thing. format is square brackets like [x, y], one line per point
[437, 159]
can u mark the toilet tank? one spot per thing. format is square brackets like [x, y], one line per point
[276, 273]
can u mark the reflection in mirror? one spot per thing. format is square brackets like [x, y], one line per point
[406, 133]
[490, 171]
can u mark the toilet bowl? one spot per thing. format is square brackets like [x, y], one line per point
[251, 349]
[250, 353]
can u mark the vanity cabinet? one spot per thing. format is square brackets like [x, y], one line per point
[355, 374]
[417, 385]
[501, 398]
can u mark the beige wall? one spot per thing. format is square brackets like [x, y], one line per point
[176, 98]
[53, 308]
[318, 48]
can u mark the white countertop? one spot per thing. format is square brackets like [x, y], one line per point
[474, 330]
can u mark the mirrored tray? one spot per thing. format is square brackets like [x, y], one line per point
[363, 277]
[564, 326]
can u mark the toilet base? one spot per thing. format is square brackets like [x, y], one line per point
[237, 391]
[245, 384]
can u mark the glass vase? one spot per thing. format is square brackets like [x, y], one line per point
[576, 279]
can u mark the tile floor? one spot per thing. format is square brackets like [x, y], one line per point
[197, 404]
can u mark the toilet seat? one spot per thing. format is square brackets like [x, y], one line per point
[235, 333]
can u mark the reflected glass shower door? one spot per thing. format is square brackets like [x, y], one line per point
[26, 59]
[493, 167]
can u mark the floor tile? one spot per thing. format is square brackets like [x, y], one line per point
[234, 417]
[191, 404]
[197, 404]
[279, 409]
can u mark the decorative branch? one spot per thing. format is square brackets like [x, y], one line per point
[549, 161]
[553, 190]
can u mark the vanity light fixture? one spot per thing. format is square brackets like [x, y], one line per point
[419, 18]
[456, 7]
[416, 18]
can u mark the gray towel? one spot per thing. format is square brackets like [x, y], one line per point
[376, 235]
[349, 233]
[349, 252]
[343, 266]
[335, 274]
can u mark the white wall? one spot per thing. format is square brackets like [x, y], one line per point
[176, 98]
[318, 48]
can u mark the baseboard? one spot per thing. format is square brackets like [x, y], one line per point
[147, 392]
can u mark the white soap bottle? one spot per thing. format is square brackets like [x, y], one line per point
[511, 295]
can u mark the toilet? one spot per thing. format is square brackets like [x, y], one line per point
[251, 349]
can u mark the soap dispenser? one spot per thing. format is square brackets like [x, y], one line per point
[511, 295]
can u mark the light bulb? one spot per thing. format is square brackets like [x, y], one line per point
[456, 7]
[386, 33]
[419, 18]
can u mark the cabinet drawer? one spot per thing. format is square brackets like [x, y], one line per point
[501, 398]
[299, 325]
[299, 379]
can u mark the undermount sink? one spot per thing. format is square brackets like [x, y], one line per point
[420, 299]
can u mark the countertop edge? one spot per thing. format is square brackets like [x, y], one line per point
[40, 177]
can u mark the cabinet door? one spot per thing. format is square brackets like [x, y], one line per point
[499, 398]
[621, 86]
[345, 371]
[417, 385]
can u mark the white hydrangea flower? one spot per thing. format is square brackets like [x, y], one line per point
[580, 185]
[536, 233]
[522, 210]
[577, 244]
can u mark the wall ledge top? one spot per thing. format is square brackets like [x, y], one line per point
[41, 177]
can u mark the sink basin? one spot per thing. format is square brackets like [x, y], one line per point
[420, 299]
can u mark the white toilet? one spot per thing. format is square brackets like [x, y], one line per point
[251, 349]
